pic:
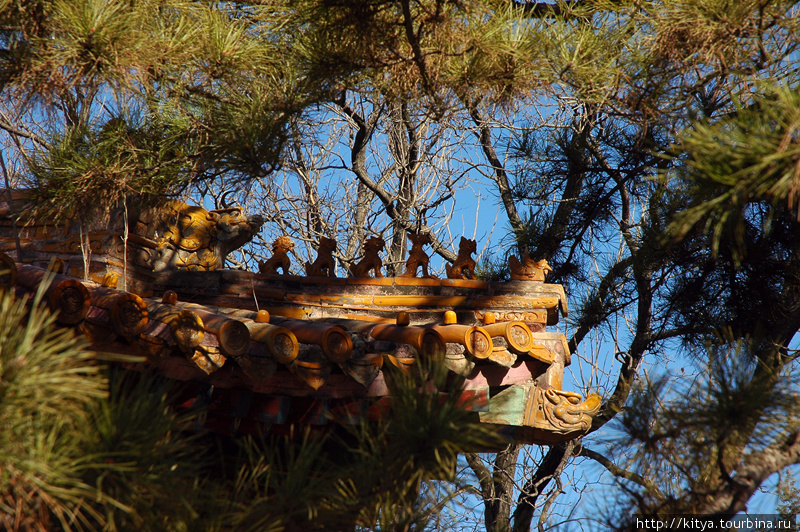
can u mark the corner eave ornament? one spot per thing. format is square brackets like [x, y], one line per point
[280, 349]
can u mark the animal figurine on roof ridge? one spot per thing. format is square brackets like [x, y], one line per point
[528, 269]
[416, 257]
[324, 265]
[280, 257]
[371, 260]
[464, 265]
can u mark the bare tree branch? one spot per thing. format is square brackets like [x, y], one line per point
[18, 132]
[364, 130]
[618, 471]
[757, 468]
[553, 463]
[500, 176]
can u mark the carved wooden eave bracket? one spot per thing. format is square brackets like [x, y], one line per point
[546, 416]
[568, 412]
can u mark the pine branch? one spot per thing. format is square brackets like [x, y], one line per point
[546, 10]
[757, 468]
[607, 284]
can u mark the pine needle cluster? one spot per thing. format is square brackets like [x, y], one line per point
[75, 455]
[47, 380]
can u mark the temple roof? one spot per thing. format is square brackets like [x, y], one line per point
[268, 350]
